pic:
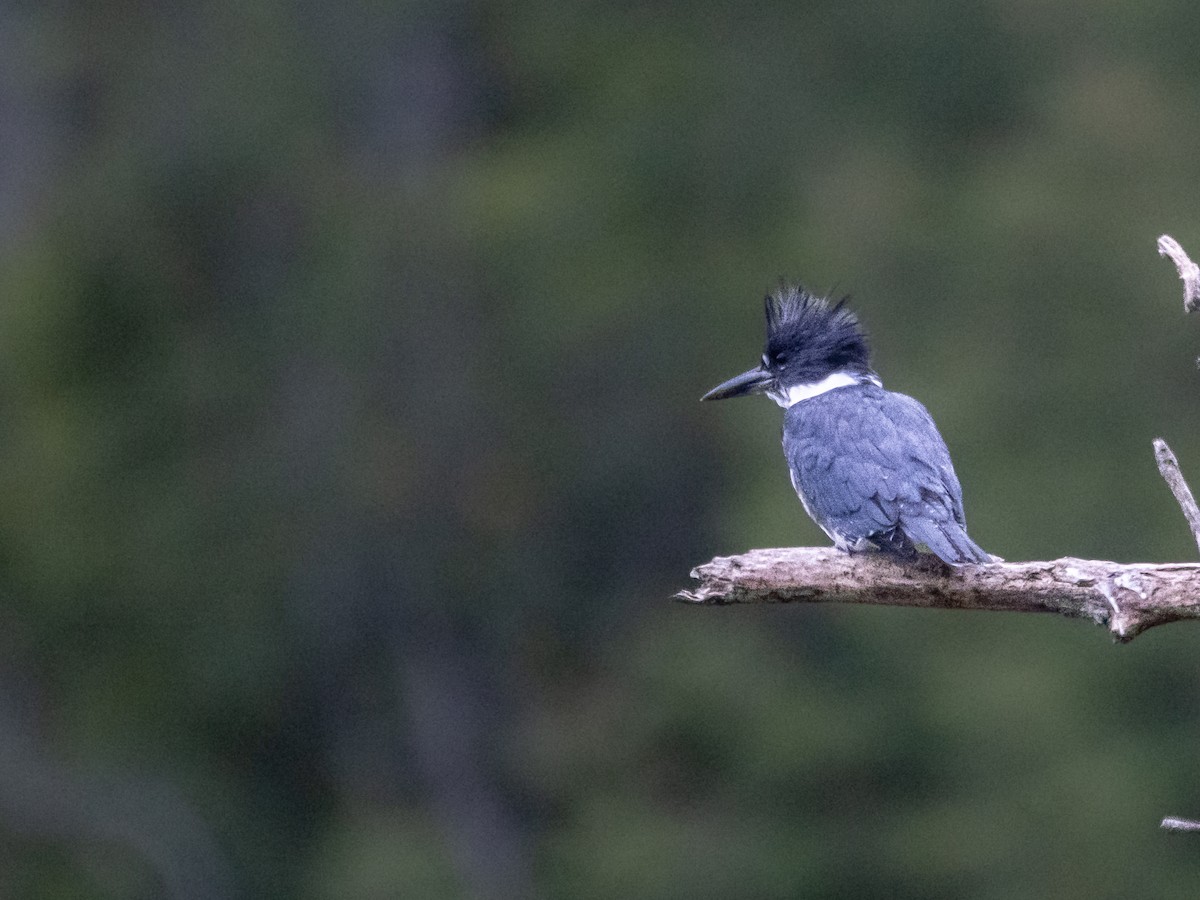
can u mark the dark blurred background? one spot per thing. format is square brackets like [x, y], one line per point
[350, 447]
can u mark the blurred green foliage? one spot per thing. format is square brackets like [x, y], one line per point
[349, 360]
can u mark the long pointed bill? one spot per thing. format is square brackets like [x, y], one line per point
[753, 382]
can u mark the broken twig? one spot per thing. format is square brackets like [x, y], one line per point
[1173, 823]
[1188, 271]
[1168, 466]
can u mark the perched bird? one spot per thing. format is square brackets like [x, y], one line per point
[869, 465]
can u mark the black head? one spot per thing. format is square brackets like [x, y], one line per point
[807, 340]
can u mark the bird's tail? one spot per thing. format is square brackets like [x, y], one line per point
[947, 540]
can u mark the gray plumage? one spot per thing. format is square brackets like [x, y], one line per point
[879, 476]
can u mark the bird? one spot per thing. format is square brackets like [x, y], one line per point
[869, 465]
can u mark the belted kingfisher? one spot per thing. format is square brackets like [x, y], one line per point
[869, 465]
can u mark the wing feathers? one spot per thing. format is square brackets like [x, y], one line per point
[870, 464]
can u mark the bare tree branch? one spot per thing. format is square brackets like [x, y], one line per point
[1168, 466]
[1173, 823]
[1126, 599]
[1188, 271]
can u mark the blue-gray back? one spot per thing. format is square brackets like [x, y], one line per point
[864, 458]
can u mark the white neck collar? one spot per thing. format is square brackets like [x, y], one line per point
[807, 391]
